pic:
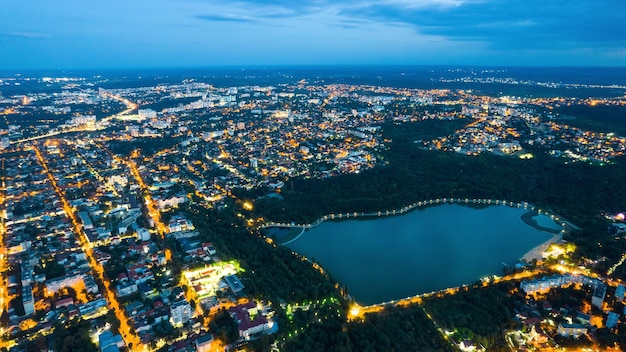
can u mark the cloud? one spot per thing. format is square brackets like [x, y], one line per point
[502, 24]
[222, 18]
[25, 35]
[510, 23]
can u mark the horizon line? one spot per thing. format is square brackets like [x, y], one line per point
[300, 66]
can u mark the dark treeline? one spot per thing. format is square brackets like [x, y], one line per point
[396, 329]
[599, 118]
[147, 146]
[275, 273]
[271, 273]
[407, 174]
[479, 313]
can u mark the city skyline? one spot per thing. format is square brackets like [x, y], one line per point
[183, 212]
[74, 35]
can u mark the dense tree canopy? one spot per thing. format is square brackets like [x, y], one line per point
[408, 173]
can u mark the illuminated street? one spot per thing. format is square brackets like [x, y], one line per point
[129, 336]
[4, 265]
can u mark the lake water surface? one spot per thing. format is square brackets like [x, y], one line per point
[425, 250]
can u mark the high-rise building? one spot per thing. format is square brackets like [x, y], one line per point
[598, 296]
[27, 300]
[180, 312]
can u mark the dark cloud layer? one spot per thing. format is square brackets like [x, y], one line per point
[515, 24]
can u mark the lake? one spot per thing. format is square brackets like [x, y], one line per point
[425, 250]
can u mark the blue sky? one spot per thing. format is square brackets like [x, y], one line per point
[75, 34]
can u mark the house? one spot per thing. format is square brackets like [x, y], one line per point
[90, 284]
[233, 283]
[203, 343]
[146, 290]
[467, 346]
[62, 303]
[181, 346]
[611, 320]
[208, 247]
[109, 342]
[583, 318]
[134, 308]
[140, 273]
[571, 330]
[538, 335]
[247, 325]
[598, 296]
[619, 292]
[178, 224]
[143, 234]
[126, 288]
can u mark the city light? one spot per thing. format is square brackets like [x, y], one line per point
[120, 192]
[126, 330]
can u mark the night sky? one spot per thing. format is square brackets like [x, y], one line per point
[80, 34]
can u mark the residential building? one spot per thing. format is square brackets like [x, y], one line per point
[203, 343]
[571, 330]
[247, 325]
[27, 300]
[180, 312]
[597, 299]
[611, 320]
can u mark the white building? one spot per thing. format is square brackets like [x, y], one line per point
[248, 325]
[28, 301]
[549, 282]
[178, 224]
[125, 289]
[147, 114]
[171, 202]
[143, 234]
[571, 330]
[66, 281]
[180, 312]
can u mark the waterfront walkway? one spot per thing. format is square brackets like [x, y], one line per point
[425, 203]
[358, 312]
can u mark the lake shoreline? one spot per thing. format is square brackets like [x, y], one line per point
[537, 252]
[423, 252]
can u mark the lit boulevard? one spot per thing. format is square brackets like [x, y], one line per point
[154, 213]
[131, 339]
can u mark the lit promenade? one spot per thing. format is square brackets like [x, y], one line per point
[358, 312]
[408, 208]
